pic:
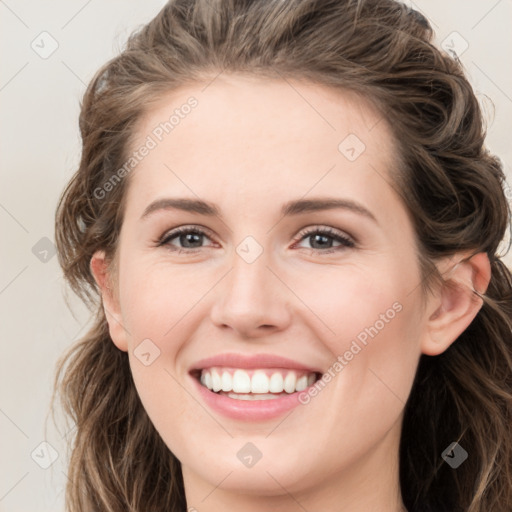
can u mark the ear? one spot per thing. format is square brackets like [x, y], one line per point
[100, 270]
[456, 303]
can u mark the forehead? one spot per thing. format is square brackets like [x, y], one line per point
[241, 134]
[237, 102]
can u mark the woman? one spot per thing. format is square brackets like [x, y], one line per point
[289, 214]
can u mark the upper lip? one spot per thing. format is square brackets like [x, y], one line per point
[251, 361]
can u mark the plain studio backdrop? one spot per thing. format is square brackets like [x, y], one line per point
[50, 51]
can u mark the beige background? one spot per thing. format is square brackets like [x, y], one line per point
[40, 149]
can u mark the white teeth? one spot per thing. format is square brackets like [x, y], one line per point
[208, 380]
[289, 382]
[227, 381]
[259, 383]
[241, 382]
[262, 382]
[216, 381]
[276, 383]
[302, 383]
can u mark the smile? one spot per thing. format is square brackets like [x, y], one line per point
[252, 387]
[257, 384]
[252, 395]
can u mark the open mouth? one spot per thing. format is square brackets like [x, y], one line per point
[254, 384]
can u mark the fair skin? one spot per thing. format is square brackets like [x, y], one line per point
[250, 146]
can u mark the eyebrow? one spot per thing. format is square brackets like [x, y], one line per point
[295, 207]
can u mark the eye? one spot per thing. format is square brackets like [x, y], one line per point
[323, 238]
[190, 238]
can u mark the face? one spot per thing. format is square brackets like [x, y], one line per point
[273, 273]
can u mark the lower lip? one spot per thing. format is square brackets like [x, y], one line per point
[249, 410]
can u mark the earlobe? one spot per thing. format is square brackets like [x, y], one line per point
[100, 270]
[457, 302]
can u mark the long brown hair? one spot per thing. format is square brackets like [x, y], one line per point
[452, 186]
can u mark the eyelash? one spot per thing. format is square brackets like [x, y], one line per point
[328, 232]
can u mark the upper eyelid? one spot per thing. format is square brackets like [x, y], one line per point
[330, 231]
[178, 230]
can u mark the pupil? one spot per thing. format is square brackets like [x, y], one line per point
[188, 238]
[325, 240]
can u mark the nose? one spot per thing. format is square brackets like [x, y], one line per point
[252, 299]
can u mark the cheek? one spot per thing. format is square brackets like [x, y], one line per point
[155, 298]
[164, 401]
[349, 300]
[371, 319]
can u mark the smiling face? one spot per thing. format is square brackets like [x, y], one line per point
[262, 267]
